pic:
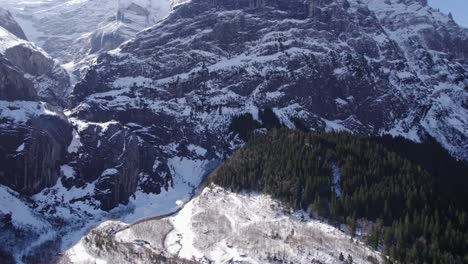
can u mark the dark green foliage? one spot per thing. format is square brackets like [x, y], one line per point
[300, 125]
[243, 125]
[341, 258]
[397, 190]
[373, 239]
[269, 118]
[6, 258]
[372, 260]
[450, 175]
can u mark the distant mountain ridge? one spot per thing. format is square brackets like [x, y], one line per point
[71, 30]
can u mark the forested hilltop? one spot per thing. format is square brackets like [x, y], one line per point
[415, 210]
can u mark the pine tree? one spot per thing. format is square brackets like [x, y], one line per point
[353, 225]
[373, 239]
[450, 16]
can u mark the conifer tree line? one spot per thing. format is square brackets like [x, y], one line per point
[416, 207]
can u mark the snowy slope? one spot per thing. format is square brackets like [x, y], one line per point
[222, 227]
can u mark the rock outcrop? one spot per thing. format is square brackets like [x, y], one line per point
[34, 140]
[13, 85]
[9, 23]
[113, 157]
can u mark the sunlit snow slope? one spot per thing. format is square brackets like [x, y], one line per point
[219, 226]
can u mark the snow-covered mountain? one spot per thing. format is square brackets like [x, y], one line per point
[71, 30]
[150, 119]
[74, 32]
[339, 65]
[42, 76]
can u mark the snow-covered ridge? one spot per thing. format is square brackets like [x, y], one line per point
[8, 40]
[219, 226]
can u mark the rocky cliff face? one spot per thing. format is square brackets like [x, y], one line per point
[38, 135]
[34, 134]
[13, 85]
[433, 46]
[34, 140]
[321, 65]
[331, 65]
[113, 157]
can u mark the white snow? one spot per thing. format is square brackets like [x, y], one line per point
[78, 255]
[21, 111]
[197, 149]
[109, 172]
[74, 21]
[188, 176]
[182, 245]
[8, 40]
[126, 82]
[336, 180]
[22, 215]
[82, 125]
[20, 148]
[222, 227]
[334, 126]
[403, 130]
[70, 202]
[340, 102]
[67, 171]
[75, 143]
